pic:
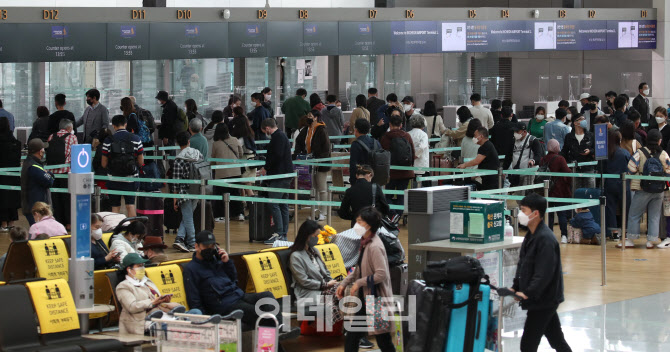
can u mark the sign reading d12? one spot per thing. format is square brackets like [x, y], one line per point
[601, 141]
[81, 159]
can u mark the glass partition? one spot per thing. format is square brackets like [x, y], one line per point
[73, 79]
[113, 81]
[397, 75]
[363, 76]
[20, 91]
[148, 77]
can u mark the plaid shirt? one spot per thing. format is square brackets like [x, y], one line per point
[181, 171]
[69, 142]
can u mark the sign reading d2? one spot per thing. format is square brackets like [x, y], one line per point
[601, 141]
[81, 159]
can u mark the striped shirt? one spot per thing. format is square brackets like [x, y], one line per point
[120, 135]
[69, 142]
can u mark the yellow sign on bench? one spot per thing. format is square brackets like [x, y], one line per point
[332, 256]
[54, 305]
[266, 273]
[51, 258]
[169, 280]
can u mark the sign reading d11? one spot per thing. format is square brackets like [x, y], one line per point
[601, 141]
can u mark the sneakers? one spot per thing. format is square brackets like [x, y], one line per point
[665, 244]
[191, 248]
[221, 219]
[615, 236]
[272, 239]
[240, 217]
[629, 244]
[650, 245]
[365, 343]
[180, 246]
[564, 239]
[321, 218]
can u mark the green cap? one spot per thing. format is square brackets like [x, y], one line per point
[132, 259]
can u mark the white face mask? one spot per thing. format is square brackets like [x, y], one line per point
[660, 120]
[267, 97]
[97, 234]
[360, 230]
[407, 107]
[539, 117]
[518, 136]
[523, 218]
[568, 117]
[475, 139]
[646, 92]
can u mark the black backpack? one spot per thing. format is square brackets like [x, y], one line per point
[380, 161]
[458, 270]
[401, 152]
[544, 167]
[394, 251]
[56, 151]
[652, 167]
[122, 161]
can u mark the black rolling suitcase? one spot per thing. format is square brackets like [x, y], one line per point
[209, 217]
[260, 221]
[153, 209]
[171, 218]
[432, 318]
[399, 279]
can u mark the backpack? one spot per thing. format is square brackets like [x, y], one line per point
[181, 122]
[200, 170]
[394, 251]
[652, 167]
[458, 270]
[143, 131]
[150, 170]
[148, 119]
[56, 151]
[401, 152]
[380, 161]
[541, 178]
[122, 161]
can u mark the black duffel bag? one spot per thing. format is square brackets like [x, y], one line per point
[457, 270]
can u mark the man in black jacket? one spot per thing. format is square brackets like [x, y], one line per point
[167, 132]
[358, 154]
[277, 161]
[538, 282]
[373, 104]
[641, 104]
[502, 135]
[359, 196]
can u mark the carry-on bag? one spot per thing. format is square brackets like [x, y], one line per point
[153, 209]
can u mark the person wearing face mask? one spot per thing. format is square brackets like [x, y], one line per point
[233, 102]
[314, 141]
[45, 222]
[139, 297]
[572, 114]
[58, 153]
[277, 161]
[579, 146]
[372, 269]
[619, 115]
[360, 195]
[332, 116]
[561, 188]
[103, 258]
[486, 159]
[95, 117]
[479, 112]
[661, 117]
[258, 115]
[592, 111]
[312, 282]
[526, 153]
[610, 108]
[128, 241]
[469, 146]
[584, 100]
[409, 110]
[399, 143]
[538, 282]
[536, 125]
[35, 180]
[641, 103]
[267, 102]
[557, 129]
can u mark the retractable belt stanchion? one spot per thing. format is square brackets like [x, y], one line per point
[603, 240]
[203, 206]
[546, 195]
[623, 212]
[515, 219]
[329, 208]
[96, 194]
[296, 208]
[501, 178]
[226, 200]
[574, 179]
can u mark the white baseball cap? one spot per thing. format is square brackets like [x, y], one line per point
[584, 96]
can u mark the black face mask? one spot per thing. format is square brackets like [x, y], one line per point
[309, 122]
[89, 102]
[210, 254]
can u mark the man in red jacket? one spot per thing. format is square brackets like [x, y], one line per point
[400, 144]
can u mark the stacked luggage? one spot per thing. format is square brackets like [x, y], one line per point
[453, 305]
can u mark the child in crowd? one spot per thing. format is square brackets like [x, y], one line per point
[583, 221]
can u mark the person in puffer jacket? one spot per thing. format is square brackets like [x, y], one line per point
[583, 220]
[332, 116]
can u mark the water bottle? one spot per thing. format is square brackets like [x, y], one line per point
[509, 230]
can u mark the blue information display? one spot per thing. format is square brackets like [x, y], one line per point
[83, 231]
[81, 159]
[601, 141]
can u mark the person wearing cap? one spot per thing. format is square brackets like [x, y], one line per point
[332, 116]
[35, 180]
[95, 117]
[584, 99]
[557, 129]
[154, 249]
[579, 146]
[409, 110]
[641, 104]
[166, 131]
[526, 153]
[210, 280]
[480, 112]
[140, 297]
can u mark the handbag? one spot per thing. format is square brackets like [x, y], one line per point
[432, 133]
[375, 308]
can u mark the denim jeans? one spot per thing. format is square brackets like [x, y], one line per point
[279, 211]
[562, 220]
[642, 202]
[186, 231]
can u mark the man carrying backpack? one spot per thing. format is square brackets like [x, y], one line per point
[169, 118]
[359, 155]
[400, 144]
[651, 160]
[122, 156]
[184, 170]
[58, 153]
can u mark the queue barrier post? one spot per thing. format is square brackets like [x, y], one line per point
[573, 180]
[96, 198]
[203, 205]
[546, 195]
[312, 196]
[329, 207]
[226, 200]
[515, 218]
[501, 177]
[623, 212]
[603, 240]
[296, 207]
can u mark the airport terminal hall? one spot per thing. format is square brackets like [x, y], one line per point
[334, 175]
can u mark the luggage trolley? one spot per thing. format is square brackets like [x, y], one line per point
[185, 332]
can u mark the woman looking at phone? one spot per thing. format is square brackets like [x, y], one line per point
[140, 297]
[103, 258]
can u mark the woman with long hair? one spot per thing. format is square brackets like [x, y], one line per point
[360, 112]
[434, 123]
[617, 164]
[628, 140]
[226, 146]
[192, 112]
[128, 110]
[240, 128]
[233, 102]
[313, 140]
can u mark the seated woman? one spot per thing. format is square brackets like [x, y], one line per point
[360, 196]
[312, 282]
[45, 222]
[103, 258]
[140, 297]
[128, 242]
